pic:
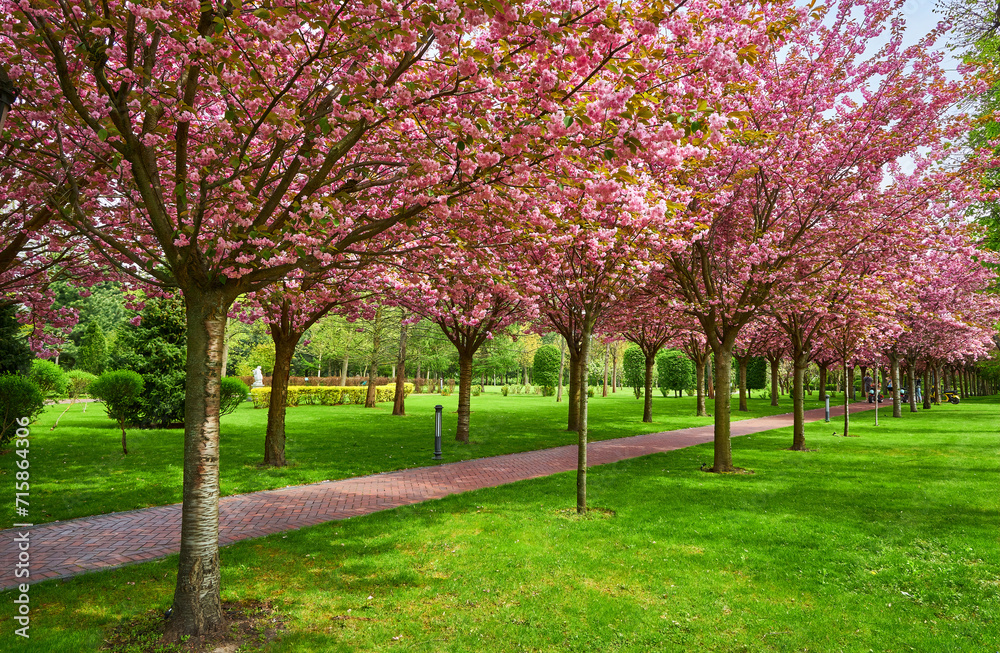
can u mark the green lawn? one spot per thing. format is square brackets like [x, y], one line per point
[885, 542]
[79, 469]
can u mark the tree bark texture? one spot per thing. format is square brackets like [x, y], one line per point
[911, 383]
[464, 396]
[197, 606]
[774, 360]
[607, 351]
[897, 409]
[723, 443]
[581, 471]
[848, 395]
[399, 398]
[562, 370]
[699, 373]
[822, 381]
[274, 438]
[800, 361]
[573, 420]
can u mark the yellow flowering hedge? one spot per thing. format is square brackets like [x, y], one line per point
[329, 395]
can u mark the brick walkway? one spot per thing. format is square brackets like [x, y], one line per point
[68, 548]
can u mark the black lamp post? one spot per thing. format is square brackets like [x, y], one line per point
[8, 93]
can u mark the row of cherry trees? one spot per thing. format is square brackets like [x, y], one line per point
[673, 171]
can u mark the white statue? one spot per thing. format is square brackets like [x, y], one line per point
[258, 378]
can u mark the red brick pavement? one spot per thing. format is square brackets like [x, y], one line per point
[63, 549]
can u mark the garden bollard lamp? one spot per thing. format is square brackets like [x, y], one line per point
[828, 408]
[437, 431]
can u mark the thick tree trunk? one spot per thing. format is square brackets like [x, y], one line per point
[614, 372]
[343, 371]
[464, 396]
[800, 361]
[562, 370]
[124, 445]
[647, 403]
[822, 381]
[197, 607]
[849, 375]
[581, 462]
[274, 438]
[742, 361]
[897, 408]
[399, 398]
[723, 444]
[573, 421]
[774, 379]
[937, 384]
[699, 374]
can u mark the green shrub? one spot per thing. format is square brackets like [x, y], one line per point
[504, 390]
[15, 355]
[757, 373]
[675, 371]
[79, 381]
[634, 368]
[477, 390]
[545, 368]
[121, 391]
[157, 350]
[93, 351]
[232, 392]
[20, 397]
[50, 378]
[302, 395]
[591, 391]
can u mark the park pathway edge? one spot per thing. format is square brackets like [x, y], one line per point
[68, 548]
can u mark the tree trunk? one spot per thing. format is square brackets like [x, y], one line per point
[926, 390]
[897, 409]
[723, 444]
[647, 404]
[742, 361]
[607, 350]
[800, 361]
[911, 383]
[464, 396]
[822, 382]
[774, 379]
[562, 369]
[699, 375]
[399, 398]
[937, 385]
[614, 371]
[573, 421]
[848, 395]
[124, 445]
[849, 375]
[197, 607]
[343, 370]
[709, 380]
[274, 439]
[581, 462]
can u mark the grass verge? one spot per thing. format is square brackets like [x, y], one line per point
[885, 542]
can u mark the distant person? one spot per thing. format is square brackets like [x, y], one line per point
[918, 394]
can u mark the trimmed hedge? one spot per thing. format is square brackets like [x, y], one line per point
[303, 395]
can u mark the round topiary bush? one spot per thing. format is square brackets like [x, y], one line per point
[634, 368]
[50, 378]
[545, 368]
[20, 397]
[232, 392]
[121, 391]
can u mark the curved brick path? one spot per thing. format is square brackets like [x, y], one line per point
[68, 548]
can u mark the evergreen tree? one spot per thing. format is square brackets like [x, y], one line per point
[757, 374]
[92, 353]
[634, 365]
[15, 356]
[156, 348]
[545, 368]
[676, 371]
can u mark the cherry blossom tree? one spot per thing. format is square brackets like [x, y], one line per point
[825, 125]
[236, 144]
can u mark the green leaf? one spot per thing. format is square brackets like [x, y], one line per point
[102, 134]
[461, 146]
[262, 13]
[567, 121]
[609, 154]
[219, 28]
[230, 115]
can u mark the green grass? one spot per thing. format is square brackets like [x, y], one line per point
[79, 469]
[884, 542]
